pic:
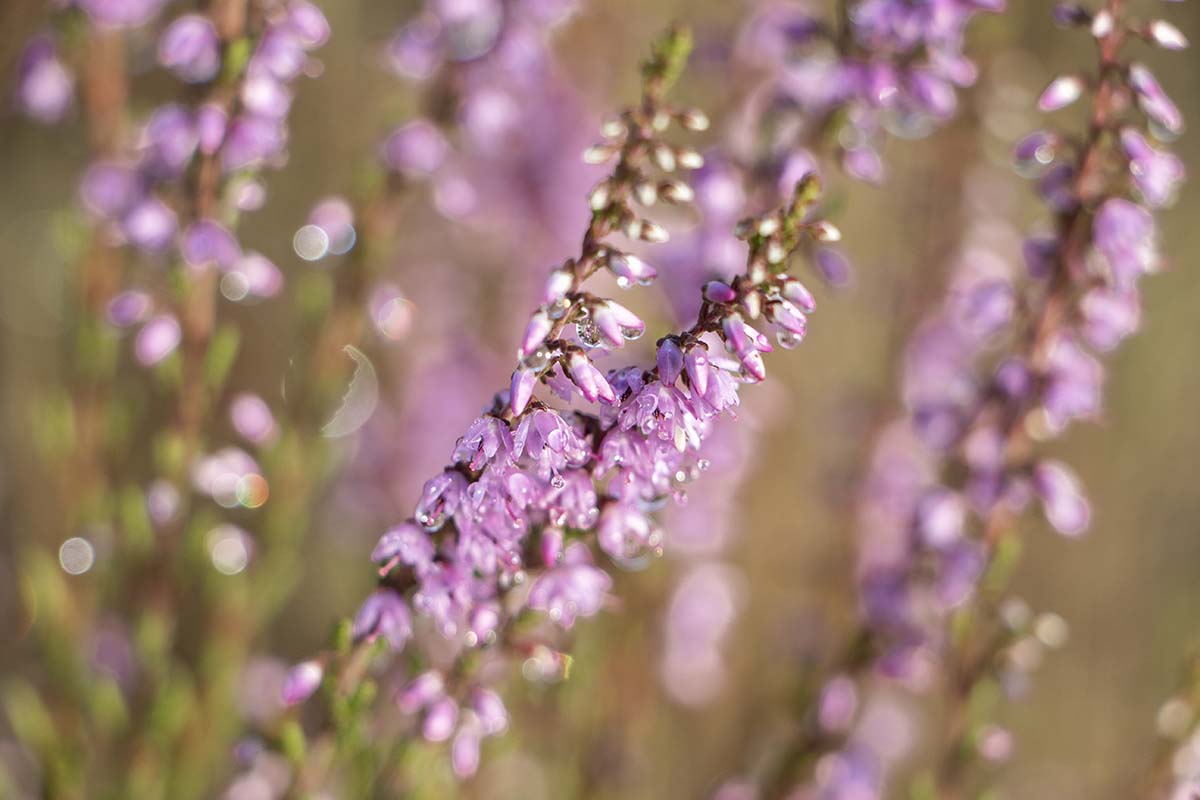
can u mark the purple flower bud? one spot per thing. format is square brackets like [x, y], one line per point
[189, 47]
[1062, 92]
[265, 96]
[420, 692]
[258, 276]
[211, 123]
[207, 242]
[128, 308]
[734, 329]
[940, 518]
[491, 711]
[440, 720]
[670, 361]
[335, 217]
[838, 704]
[1041, 257]
[384, 613]
[150, 225]
[1153, 100]
[630, 269]
[109, 189]
[695, 361]
[464, 750]
[864, 164]
[485, 620]
[521, 391]
[1066, 508]
[252, 418]
[302, 681]
[251, 140]
[44, 87]
[787, 316]
[1157, 173]
[799, 294]
[308, 23]
[157, 339]
[169, 141]
[718, 292]
[535, 333]
[416, 149]
[833, 267]
[591, 381]
[551, 546]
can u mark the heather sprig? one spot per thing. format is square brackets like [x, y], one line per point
[506, 532]
[1006, 364]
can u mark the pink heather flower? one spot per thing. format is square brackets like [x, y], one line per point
[406, 543]
[625, 534]
[208, 242]
[384, 613]
[440, 720]
[302, 681]
[1066, 508]
[591, 381]
[573, 588]
[420, 692]
[521, 390]
[252, 418]
[45, 89]
[417, 149]
[157, 339]
[128, 308]
[1157, 173]
[189, 47]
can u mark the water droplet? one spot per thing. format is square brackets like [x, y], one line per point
[311, 242]
[632, 334]
[703, 464]
[788, 340]
[588, 333]
[76, 555]
[538, 360]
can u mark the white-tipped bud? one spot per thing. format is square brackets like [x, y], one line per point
[598, 199]
[693, 119]
[646, 193]
[767, 226]
[1062, 91]
[689, 158]
[775, 252]
[613, 128]
[664, 157]
[1166, 35]
[1102, 24]
[598, 154]
[660, 121]
[826, 231]
[676, 192]
[653, 232]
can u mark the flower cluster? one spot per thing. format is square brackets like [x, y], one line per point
[1006, 362]
[503, 532]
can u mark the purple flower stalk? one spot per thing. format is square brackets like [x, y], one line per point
[505, 532]
[1005, 363]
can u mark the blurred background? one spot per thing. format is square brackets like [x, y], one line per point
[1130, 590]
